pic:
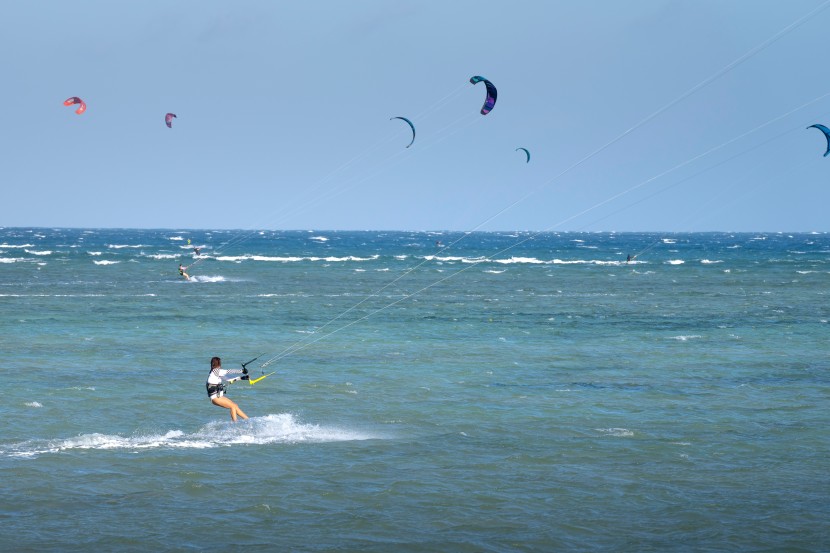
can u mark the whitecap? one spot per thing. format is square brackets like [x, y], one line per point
[618, 432]
[163, 256]
[675, 262]
[106, 262]
[33, 404]
[710, 262]
[319, 238]
[526, 260]
[685, 338]
[35, 252]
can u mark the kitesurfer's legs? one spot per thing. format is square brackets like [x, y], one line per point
[228, 403]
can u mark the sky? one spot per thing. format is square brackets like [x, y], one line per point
[643, 115]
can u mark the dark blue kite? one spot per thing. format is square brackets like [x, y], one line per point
[490, 101]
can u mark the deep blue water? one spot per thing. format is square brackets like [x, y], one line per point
[434, 391]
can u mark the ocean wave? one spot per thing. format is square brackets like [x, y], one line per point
[18, 246]
[293, 259]
[616, 432]
[269, 429]
[319, 238]
[521, 260]
[675, 262]
[686, 337]
[163, 256]
[455, 258]
[13, 259]
[122, 246]
[710, 262]
[106, 262]
[35, 252]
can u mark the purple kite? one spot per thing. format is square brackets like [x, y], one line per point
[168, 119]
[490, 101]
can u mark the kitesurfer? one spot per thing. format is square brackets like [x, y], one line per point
[182, 272]
[217, 378]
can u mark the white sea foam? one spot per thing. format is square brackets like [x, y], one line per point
[617, 432]
[710, 262]
[163, 256]
[585, 262]
[319, 238]
[20, 246]
[270, 429]
[33, 404]
[669, 241]
[35, 252]
[450, 258]
[686, 337]
[531, 260]
[293, 259]
[675, 262]
[95, 253]
[205, 278]
[106, 262]
[11, 259]
[122, 246]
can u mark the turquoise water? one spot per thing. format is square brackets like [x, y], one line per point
[434, 391]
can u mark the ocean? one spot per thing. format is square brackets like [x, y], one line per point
[434, 391]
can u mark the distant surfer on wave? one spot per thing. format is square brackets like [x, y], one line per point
[217, 378]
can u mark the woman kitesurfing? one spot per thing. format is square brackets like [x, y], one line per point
[217, 378]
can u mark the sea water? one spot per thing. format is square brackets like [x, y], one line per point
[434, 391]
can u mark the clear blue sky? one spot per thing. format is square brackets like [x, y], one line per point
[284, 115]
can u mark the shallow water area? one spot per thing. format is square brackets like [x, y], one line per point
[509, 392]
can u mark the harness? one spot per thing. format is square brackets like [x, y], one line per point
[214, 388]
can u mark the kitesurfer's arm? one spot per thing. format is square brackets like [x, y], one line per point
[235, 371]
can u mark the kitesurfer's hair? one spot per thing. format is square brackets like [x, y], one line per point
[215, 362]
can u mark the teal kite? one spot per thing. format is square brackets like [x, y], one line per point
[826, 132]
[410, 126]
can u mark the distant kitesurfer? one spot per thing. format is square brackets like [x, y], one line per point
[216, 386]
[628, 260]
[182, 272]
[196, 250]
